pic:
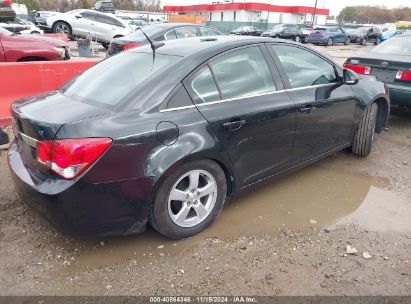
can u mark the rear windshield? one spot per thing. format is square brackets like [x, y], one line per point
[395, 46]
[110, 81]
[150, 31]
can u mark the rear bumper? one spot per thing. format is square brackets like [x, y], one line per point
[81, 208]
[317, 40]
[400, 95]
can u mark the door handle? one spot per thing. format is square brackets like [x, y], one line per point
[234, 124]
[307, 109]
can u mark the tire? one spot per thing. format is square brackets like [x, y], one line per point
[363, 41]
[61, 27]
[297, 39]
[347, 41]
[276, 36]
[105, 45]
[330, 42]
[378, 41]
[364, 136]
[164, 211]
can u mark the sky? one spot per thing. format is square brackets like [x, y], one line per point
[334, 5]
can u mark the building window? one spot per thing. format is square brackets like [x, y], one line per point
[235, 15]
[222, 16]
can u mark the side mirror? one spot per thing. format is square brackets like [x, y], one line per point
[79, 16]
[349, 77]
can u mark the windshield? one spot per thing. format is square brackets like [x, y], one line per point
[361, 30]
[3, 31]
[74, 12]
[395, 45]
[113, 79]
[150, 30]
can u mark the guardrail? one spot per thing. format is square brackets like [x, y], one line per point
[24, 79]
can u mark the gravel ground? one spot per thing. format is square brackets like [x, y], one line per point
[339, 227]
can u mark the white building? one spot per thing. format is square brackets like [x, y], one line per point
[268, 11]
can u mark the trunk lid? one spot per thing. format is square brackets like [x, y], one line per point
[40, 118]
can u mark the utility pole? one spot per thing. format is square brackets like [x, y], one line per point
[315, 11]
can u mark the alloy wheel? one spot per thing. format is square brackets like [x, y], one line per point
[62, 28]
[192, 198]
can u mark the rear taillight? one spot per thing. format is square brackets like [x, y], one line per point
[360, 69]
[403, 75]
[7, 2]
[71, 157]
[130, 46]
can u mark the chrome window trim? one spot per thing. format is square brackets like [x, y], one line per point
[248, 96]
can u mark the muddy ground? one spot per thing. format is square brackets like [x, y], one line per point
[288, 237]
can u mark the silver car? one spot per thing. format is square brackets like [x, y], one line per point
[82, 23]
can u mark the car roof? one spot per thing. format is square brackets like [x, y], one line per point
[188, 46]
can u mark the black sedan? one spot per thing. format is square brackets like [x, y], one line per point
[168, 137]
[159, 32]
[247, 31]
[389, 62]
[292, 32]
[365, 34]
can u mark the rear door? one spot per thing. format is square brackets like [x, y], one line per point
[325, 106]
[241, 95]
[106, 27]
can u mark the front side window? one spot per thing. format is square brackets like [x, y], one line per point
[304, 68]
[242, 73]
[88, 15]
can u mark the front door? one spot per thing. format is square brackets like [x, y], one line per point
[2, 54]
[248, 111]
[325, 106]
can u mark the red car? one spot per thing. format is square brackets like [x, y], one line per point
[14, 47]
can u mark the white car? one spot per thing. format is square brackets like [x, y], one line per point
[32, 30]
[82, 23]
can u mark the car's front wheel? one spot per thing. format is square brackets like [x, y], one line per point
[378, 41]
[297, 39]
[189, 200]
[364, 136]
[347, 41]
[61, 27]
[363, 41]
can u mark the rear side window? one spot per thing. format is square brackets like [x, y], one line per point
[206, 31]
[113, 79]
[242, 73]
[171, 35]
[186, 32]
[204, 87]
[304, 68]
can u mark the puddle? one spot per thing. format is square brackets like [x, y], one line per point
[313, 197]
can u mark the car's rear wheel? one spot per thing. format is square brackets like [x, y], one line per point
[363, 41]
[330, 42]
[105, 45]
[378, 41]
[61, 27]
[347, 41]
[364, 136]
[297, 39]
[189, 200]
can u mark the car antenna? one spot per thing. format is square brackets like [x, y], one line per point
[153, 46]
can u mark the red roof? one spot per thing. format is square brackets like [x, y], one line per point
[248, 6]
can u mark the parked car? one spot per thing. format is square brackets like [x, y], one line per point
[104, 7]
[40, 18]
[81, 23]
[285, 32]
[247, 31]
[160, 32]
[21, 26]
[389, 62]
[328, 36]
[15, 47]
[365, 34]
[6, 12]
[390, 33]
[305, 32]
[169, 136]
